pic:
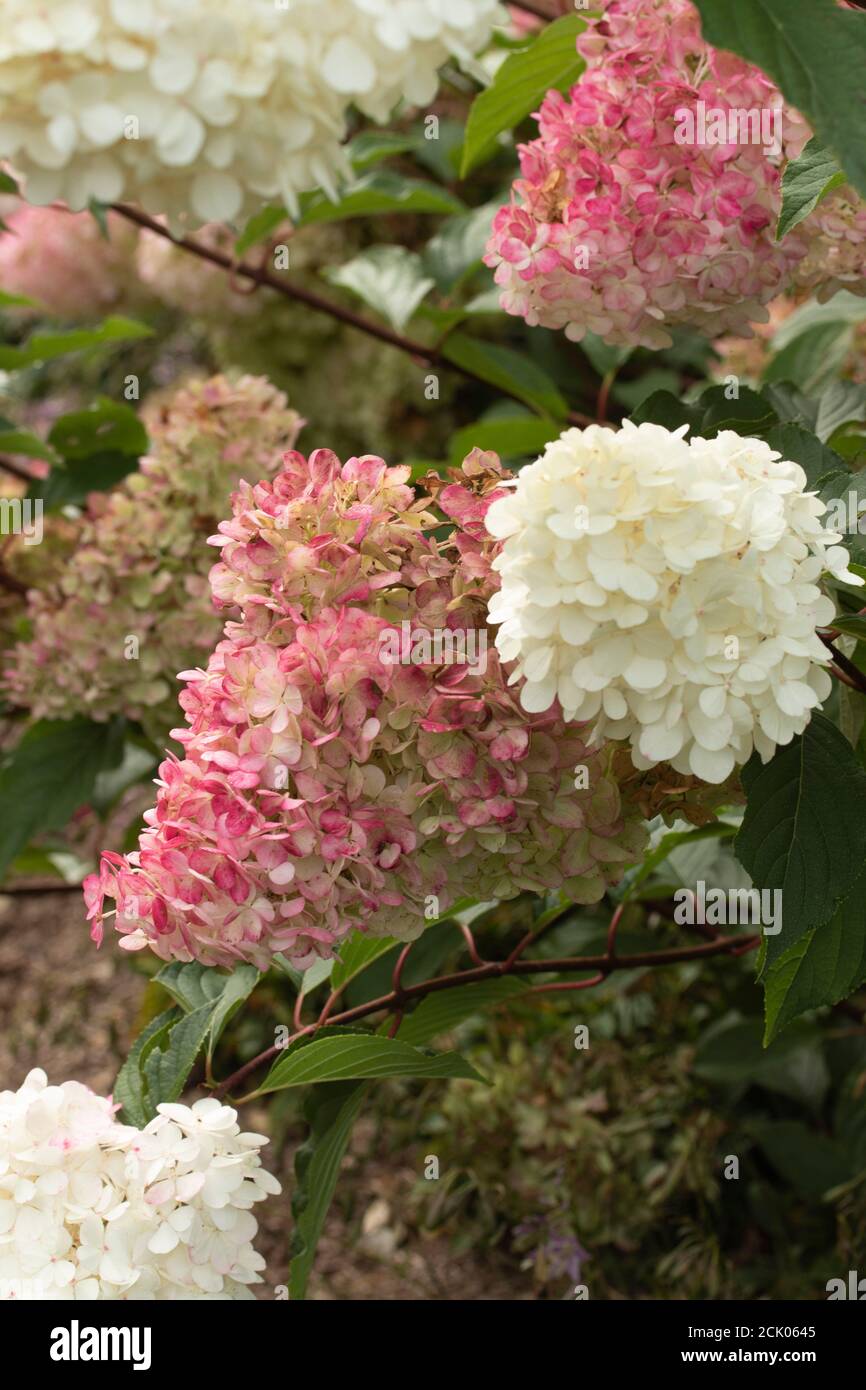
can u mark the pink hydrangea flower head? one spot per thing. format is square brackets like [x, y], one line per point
[354, 755]
[650, 197]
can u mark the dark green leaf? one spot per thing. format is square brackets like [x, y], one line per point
[508, 371]
[732, 1054]
[49, 774]
[804, 830]
[130, 1088]
[799, 445]
[853, 624]
[664, 408]
[822, 967]
[815, 53]
[844, 494]
[105, 427]
[440, 1012]
[330, 1111]
[812, 1163]
[166, 1069]
[356, 953]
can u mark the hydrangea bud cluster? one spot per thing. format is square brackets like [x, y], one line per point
[339, 769]
[63, 262]
[111, 629]
[667, 590]
[624, 224]
[201, 112]
[97, 1210]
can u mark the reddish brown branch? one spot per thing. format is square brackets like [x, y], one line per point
[258, 274]
[843, 669]
[598, 966]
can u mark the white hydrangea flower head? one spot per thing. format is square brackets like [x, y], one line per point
[201, 112]
[93, 1209]
[667, 590]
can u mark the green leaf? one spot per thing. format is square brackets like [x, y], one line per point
[812, 1163]
[379, 192]
[439, 941]
[441, 1012]
[748, 413]
[844, 495]
[520, 85]
[23, 442]
[511, 437]
[822, 967]
[42, 347]
[840, 404]
[106, 426]
[49, 774]
[812, 358]
[330, 1111]
[372, 146]
[196, 987]
[508, 371]
[71, 483]
[670, 842]
[390, 279]
[316, 975]
[804, 829]
[7, 183]
[356, 954]
[130, 1088]
[804, 183]
[259, 228]
[165, 1070]
[799, 445]
[732, 1054]
[355, 1058]
[664, 408]
[458, 246]
[842, 308]
[815, 53]
[853, 624]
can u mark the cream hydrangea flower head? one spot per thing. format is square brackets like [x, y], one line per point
[94, 1209]
[201, 111]
[667, 590]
